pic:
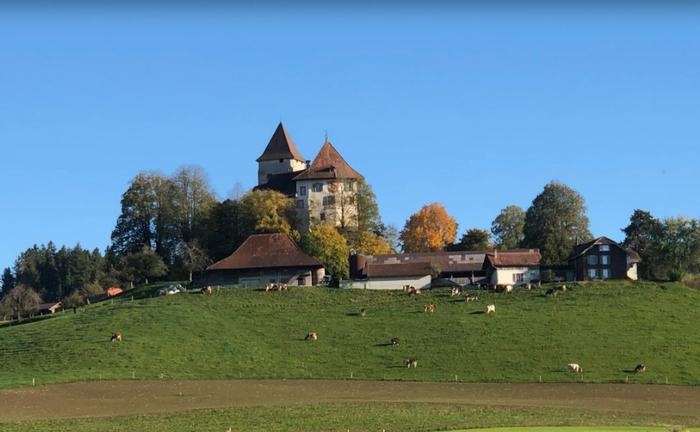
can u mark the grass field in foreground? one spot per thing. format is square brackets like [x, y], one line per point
[355, 417]
[243, 333]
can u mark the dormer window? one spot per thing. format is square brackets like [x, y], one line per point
[604, 248]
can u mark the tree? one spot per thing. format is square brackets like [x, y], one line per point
[270, 212]
[643, 235]
[327, 245]
[227, 228]
[390, 234]
[148, 217]
[555, 222]
[192, 257]
[680, 245]
[368, 218]
[21, 301]
[193, 199]
[372, 244]
[507, 228]
[429, 230]
[8, 281]
[142, 266]
[474, 239]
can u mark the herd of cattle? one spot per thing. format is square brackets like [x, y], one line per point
[427, 308]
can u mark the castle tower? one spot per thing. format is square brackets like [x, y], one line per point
[325, 192]
[280, 158]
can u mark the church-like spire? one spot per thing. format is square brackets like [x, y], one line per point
[281, 146]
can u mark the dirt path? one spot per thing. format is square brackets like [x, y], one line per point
[110, 398]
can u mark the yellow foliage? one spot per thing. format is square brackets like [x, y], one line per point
[372, 244]
[429, 230]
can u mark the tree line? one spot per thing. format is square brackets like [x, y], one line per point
[173, 226]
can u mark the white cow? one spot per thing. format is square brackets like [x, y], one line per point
[575, 368]
[490, 308]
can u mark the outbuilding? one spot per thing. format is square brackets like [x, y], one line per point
[263, 259]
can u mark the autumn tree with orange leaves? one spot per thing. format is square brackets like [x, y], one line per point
[429, 230]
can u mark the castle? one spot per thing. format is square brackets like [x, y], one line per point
[324, 190]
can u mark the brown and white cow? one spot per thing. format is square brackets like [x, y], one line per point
[312, 336]
[411, 363]
[116, 337]
[429, 308]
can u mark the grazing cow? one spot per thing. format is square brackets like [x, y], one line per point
[311, 336]
[429, 308]
[508, 288]
[116, 337]
[562, 288]
[640, 368]
[528, 286]
[207, 290]
[471, 299]
[411, 363]
[551, 292]
[394, 341]
[575, 368]
[413, 290]
[490, 308]
[268, 287]
[455, 291]
[283, 287]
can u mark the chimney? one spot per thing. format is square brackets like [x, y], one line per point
[308, 164]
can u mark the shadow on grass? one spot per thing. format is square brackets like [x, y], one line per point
[477, 312]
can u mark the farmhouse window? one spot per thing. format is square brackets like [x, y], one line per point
[605, 259]
[302, 190]
[592, 259]
[604, 248]
[517, 277]
[605, 273]
[318, 187]
[592, 273]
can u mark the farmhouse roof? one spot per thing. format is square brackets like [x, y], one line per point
[281, 146]
[446, 262]
[514, 258]
[266, 251]
[329, 164]
[583, 248]
[393, 270]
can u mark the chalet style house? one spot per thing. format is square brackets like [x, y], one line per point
[263, 259]
[603, 258]
[323, 189]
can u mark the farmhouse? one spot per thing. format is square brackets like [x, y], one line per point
[393, 271]
[263, 259]
[603, 258]
[49, 308]
[513, 267]
[323, 189]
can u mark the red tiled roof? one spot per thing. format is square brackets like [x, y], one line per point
[281, 146]
[447, 262]
[265, 251]
[329, 164]
[515, 258]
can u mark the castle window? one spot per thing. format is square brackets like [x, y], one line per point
[302, 190]
[329, 200]
[318, 187]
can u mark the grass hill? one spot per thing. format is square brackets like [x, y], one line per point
[243, 333]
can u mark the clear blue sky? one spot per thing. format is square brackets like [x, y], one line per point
[473, 108]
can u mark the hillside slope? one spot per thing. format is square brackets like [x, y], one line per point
[606, 327]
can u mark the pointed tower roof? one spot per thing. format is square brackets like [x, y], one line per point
[329, 164]
[281, 146]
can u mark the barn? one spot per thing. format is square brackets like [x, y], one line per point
[263, 259]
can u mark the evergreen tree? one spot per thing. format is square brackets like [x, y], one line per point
[8, 281]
